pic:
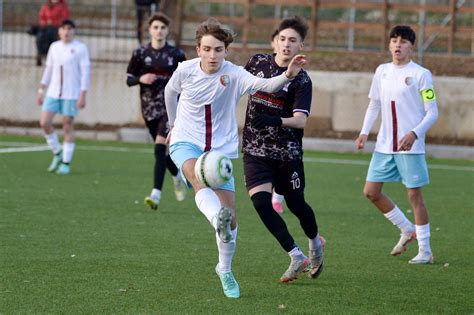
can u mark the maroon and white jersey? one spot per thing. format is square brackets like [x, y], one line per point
[406, 99]
[205, 112]
[161, 62]
[277, 143]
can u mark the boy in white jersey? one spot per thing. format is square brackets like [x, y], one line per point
[209, 88]
[67, 77]
[403, 92]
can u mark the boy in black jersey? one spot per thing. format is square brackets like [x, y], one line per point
[151, 66]
[273, 153]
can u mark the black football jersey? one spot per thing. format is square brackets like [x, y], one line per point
[277, 143]
[161, 62]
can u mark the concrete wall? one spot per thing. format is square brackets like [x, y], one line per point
[339, 99]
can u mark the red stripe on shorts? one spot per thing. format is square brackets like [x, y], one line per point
[394, 127]
[208, 119]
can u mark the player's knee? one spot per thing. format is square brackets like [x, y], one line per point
[297, 204]
[371, 194]
[262, 201]
[415, 197]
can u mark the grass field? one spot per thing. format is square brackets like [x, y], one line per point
[85, 243]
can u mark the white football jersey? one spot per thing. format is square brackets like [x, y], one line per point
[67, 71]
[405, 94]
[205, 112]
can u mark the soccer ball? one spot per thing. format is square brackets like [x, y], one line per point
[213, 169]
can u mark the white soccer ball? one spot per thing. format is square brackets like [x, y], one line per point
[213, 169]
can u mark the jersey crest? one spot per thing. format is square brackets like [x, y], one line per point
[170, 61]
[224, 79]
[408, 81]
[148, 60]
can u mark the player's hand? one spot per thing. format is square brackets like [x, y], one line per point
[296, 64]
[81, 101]
[407, 141]
[148, 78]
[360, 142]
[40, 98]
[260, 121]
[168, 137]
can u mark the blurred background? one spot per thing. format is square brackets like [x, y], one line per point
[346, 42]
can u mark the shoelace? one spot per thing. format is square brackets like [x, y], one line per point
[229, 281]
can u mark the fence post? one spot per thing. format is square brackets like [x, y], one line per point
[247, 23]
[113, 19]
[350, 32]
[386, 26]
[452, 26]
[314, 23]
[421, 31]
[178, 20]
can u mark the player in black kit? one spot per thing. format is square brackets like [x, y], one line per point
[273, 153]
[151, 66]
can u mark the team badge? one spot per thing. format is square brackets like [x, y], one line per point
[408, 81]
[148, 60]
[170, 61]
[260, 74]
[224, 79]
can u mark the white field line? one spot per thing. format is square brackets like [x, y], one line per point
[33, 147]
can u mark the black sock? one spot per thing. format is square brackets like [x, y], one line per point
[304, 213]
[171, 166]
[262, 202]
[160, 166]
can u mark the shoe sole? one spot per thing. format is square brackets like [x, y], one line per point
[224, 219]
[422, 262]
[404, 246]
[151, 203]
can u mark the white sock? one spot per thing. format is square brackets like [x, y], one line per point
[277, 197]
[68, 151]
[155, 194]
[209, 204]
[315, 243]
[177, 179]
[423, 237]
[399, 219]
[296, 253]
[53, 142]
[226, 252]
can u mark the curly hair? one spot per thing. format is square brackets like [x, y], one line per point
[214, 28]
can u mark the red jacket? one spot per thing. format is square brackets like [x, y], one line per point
[53, 14]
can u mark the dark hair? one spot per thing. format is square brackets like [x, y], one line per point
[296, 23]
[405, 32]
[68, 22]
[213, 27]
[275, 34]
[163, 18]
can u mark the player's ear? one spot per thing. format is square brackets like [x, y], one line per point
[198, 51]
[302, 45]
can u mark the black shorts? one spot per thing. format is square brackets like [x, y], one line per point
[287, 177]
[158, 127]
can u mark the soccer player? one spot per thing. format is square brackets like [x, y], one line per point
[204, 118]
[273, 153]
[151, 67]
[403, 92]
[67, 76]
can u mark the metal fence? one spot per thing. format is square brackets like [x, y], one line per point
[109, 29]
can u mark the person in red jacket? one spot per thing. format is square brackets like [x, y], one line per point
[51, 15]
